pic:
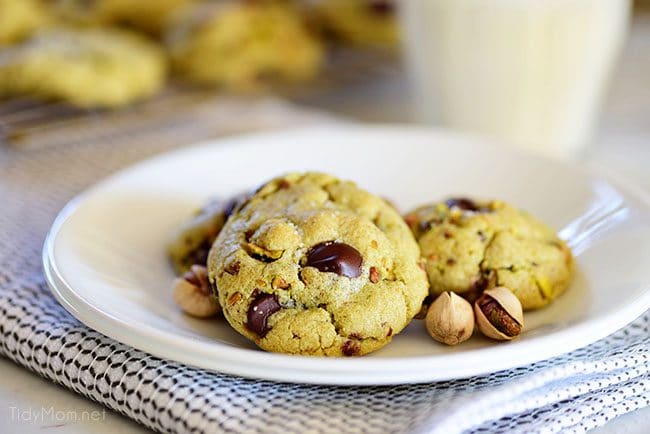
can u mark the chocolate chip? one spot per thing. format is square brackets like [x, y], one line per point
[390, 332]
[230, 207]
[381, 7]
[335, 257]
[462, 203]
[424, 226]
[198, 254]
[283, 184]
[263, 306]
[350, 348]
[466, 205]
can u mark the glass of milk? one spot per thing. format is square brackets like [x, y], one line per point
[528, 72]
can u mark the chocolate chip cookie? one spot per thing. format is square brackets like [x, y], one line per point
[469, 246]
[87, 68]
[19, 18]
[317, 266]
[192, 241]
[367, 23]
[237, 44]
[150, 16]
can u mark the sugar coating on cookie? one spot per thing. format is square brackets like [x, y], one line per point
[469, 246]
[317, 266]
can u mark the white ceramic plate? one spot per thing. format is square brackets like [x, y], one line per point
[105, 262]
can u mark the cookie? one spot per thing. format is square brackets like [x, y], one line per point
[469, 246]
[20, 18]
[87, 68]
[240, 44]
[150, 16]
[191, 243]
[317, 266]
[367, 23]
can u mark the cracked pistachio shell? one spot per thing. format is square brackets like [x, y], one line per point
[509, 302]
[450, 319]
[194, 301]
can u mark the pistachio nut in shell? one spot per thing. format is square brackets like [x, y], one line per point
[450, 319]
[499, 314]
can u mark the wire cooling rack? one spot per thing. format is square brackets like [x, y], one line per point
[26, 123]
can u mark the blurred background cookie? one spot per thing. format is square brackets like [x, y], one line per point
[19, 18]
[87, 68]
[238, 44]
[150, 16]
[360, 22]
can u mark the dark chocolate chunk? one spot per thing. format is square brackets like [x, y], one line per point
[381, 7]
[230, 207]
[462, 203]
[262, 307]
[335, 257]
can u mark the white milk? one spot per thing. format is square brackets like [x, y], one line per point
[529, 72]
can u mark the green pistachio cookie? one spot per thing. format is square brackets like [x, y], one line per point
[87, 68]
[19, 18]
[237, 44]
[314, 265]
[470, 246]
[360, 22]
[150, 16]
[192, 240]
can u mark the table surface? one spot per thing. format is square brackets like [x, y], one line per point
[30, 404]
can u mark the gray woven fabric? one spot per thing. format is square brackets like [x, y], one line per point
[572, 393]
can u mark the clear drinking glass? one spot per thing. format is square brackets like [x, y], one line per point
[527, 72]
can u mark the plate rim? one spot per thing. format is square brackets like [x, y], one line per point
[328, 371]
